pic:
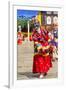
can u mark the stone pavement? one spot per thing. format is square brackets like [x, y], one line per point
[25, 63]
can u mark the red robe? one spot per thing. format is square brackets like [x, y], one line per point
[19, 36]
[42, 61]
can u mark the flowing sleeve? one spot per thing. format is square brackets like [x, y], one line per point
[34, 36]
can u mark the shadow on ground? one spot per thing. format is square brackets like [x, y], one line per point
[30, 75]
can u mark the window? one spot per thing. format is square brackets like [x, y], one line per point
[55, 19]
[48, 20]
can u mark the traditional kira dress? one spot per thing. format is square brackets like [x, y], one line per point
[42, 58]
[19, 38]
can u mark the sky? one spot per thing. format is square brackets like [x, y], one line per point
[26, 13]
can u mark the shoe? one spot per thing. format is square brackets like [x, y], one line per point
[45, 74]
[41, 76]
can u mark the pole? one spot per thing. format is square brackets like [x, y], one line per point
[28, 30]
